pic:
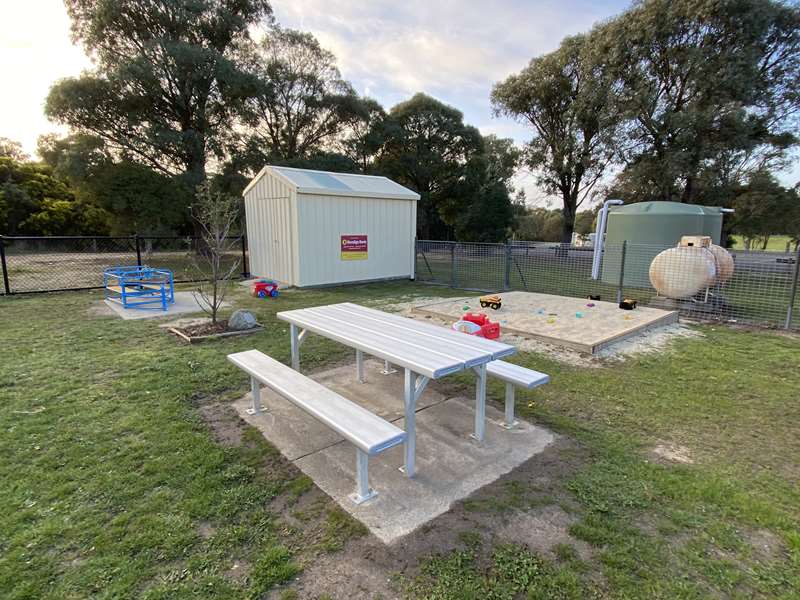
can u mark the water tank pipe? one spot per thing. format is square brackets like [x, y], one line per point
[599, 235]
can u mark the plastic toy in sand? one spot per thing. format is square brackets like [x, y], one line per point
[492, 301]
[264, 288]
[578, 315]
[591, 305]
[540, 311]
[488, 329]
[467, 327]
[139, 287]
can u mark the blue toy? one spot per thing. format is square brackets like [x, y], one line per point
[140, 286]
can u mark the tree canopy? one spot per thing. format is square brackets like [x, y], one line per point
[168, 82]
[708, 91]
[302, 104]
[567, 99]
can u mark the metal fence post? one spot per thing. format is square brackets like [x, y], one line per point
[620, 292]
[138, 250]
[452, 264]
[245, 270]
[507, 274]
[793, 293]
[6, 285]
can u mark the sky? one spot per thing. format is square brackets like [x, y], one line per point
[454, 50]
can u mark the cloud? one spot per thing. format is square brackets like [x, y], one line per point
[453, 50]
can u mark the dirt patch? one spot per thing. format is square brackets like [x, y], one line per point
[532, 494]
[543, 529]
[99, 309]
[226, 426]
[666, 452]
[238, 572]
[205, 530]
[766, 546]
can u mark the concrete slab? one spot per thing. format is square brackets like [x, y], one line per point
[185, 303]
[451, 465]
[553, 319]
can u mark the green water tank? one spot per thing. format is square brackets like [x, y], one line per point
[649, 228]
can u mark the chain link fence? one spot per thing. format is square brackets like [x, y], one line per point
[49, 264]
[758, 288]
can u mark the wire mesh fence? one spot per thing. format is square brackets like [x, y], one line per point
[759, 288]
[48, 264]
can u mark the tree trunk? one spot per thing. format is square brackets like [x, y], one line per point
[568, 214]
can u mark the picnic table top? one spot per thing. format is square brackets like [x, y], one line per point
[426, 349]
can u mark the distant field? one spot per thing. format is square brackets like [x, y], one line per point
[777, 243]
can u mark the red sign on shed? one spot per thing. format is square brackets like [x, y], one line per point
[354, 247]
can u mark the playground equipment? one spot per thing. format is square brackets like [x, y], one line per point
[140, 286]
[492, 301]
[264, 288]
[489, 330]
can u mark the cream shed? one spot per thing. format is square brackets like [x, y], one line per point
[311, 228]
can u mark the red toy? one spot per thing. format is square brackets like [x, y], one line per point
[489, 330]
[264, 288]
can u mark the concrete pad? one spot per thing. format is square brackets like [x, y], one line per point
[450, 464]
[185, 303]
[553, 319]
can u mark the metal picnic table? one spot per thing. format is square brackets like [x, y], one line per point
[423, 350]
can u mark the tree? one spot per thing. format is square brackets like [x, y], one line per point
[567, 99]
[365, 135]
[136, 198]
[763, 208]
[585, 221]
[488, 213]
[11, 149]
[428, 148]
[302, 104]
[34, 202]
[168, 80]
[709, 93]
[539, 225]
[216, 214]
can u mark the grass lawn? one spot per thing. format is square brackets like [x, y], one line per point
[776, 243]
[116, 485]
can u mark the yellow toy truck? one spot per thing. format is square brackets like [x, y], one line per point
[492, 301]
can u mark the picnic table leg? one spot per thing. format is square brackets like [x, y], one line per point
[363, 491]
[360, 366]
[480, 403]
[295, 343]
[411, 437]
[510, 421]
[255, 392]
[387, 368]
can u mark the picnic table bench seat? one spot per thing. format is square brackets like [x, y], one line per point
[369, 433]
[514, 375]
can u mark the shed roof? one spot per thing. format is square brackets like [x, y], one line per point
[308, 181]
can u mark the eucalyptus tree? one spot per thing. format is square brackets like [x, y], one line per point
[709, 91]
[365, 135]
[568, 100]
[302, 105]
[430, 149]
[168, 79]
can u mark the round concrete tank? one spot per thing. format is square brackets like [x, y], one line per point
[649, 228]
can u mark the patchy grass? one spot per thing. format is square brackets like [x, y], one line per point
[114, 486]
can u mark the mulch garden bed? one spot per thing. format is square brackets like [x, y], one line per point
[207, 331]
